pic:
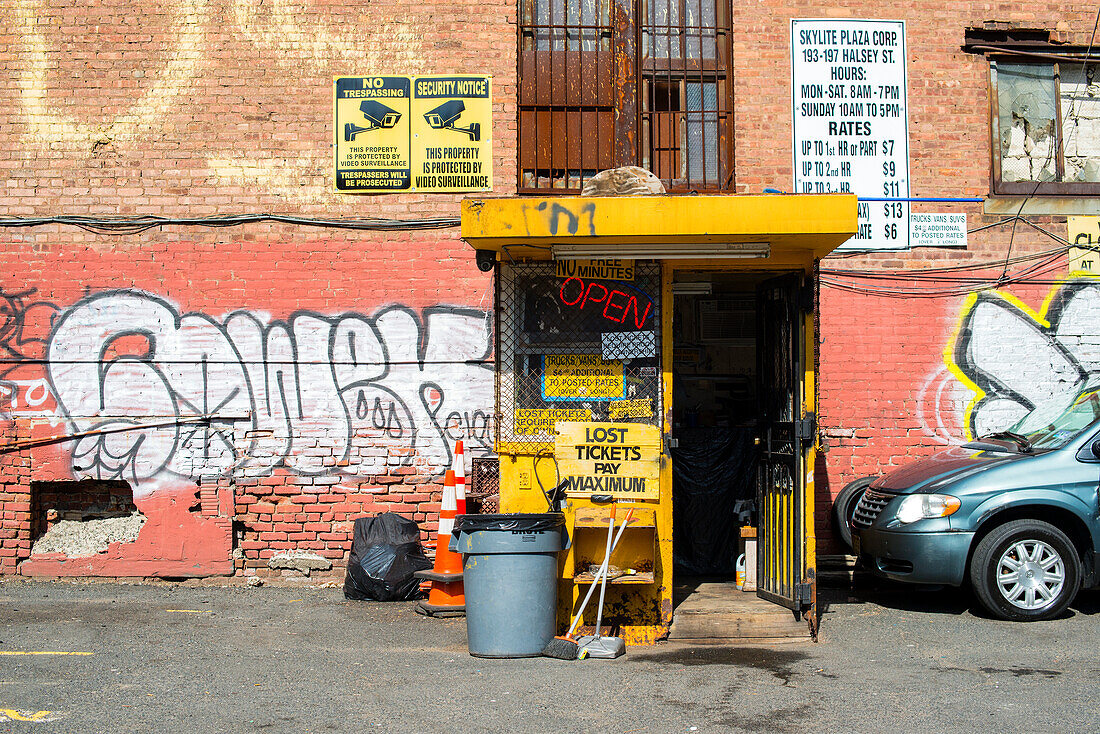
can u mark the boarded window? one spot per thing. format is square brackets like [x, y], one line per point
[1047, 128]
[628, 83]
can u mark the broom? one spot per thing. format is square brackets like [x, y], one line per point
[565, 647]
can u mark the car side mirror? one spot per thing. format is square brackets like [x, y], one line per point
[1095, 448]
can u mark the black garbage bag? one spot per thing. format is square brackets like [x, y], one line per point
[385, 553]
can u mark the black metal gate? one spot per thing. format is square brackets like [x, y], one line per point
[781, 532]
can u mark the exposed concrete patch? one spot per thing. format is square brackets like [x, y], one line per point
[301, 561]
[78, 539]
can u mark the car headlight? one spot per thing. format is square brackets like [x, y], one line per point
[923, 506]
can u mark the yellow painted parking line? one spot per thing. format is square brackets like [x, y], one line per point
[13, 715]
[40, 652]
[191, 611]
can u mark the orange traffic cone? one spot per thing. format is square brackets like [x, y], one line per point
[447, 597]
[459, 468]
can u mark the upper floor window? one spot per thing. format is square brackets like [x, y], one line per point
[643, 82]
[1046, 128]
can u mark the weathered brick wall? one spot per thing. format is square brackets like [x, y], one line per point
[207, 107]
[888, 391]
[15, 502]
[342, 364]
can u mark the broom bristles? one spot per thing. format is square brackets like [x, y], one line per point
[561, 648]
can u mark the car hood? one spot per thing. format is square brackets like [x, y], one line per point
[955, 462]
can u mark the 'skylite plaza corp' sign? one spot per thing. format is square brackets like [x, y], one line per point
[851, 121]
[413, 133]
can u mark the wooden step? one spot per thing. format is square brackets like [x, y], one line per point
[718, 611]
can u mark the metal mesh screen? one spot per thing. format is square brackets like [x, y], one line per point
[574, 346]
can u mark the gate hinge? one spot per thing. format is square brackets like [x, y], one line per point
[803, 593]
[807, 427]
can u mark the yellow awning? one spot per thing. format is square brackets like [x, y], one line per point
[629, 226]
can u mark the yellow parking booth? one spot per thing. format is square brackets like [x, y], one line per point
[638, 335]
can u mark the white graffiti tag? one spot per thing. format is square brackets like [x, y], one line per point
[316, 394]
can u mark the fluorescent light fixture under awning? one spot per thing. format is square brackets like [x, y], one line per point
[692, 288]
[661, 251]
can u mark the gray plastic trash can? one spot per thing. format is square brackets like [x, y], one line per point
[510, 578]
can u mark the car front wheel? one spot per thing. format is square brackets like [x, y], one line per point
[1025, 571]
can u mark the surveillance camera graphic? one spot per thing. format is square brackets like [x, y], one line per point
[378, 116]
[443, 118]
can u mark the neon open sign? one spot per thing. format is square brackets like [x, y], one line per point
[617, 305]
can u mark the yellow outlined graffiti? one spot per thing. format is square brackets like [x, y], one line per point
[1038, 318]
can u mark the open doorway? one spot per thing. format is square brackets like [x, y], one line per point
[736, 404]
[715, 419]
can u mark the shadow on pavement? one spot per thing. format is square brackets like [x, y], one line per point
[947, 600]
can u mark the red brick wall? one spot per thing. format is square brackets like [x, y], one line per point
[886, 394]
[195, 108]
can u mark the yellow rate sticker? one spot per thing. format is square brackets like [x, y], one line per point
[622, 460]
[582, 377]
[642, 408]
[1084, 239]
[534, 421]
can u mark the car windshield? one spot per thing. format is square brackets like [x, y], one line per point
[1054, 427]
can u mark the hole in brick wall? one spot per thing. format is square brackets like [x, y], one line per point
[82, 517]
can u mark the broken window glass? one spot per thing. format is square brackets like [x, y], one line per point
[1080, 100]
[1048, 123]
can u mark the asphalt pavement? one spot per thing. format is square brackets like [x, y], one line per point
[167, 657]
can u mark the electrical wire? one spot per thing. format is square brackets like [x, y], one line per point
[136, 225]
[950, 281]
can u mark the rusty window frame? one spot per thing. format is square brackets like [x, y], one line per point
[610, 115]
[1057, 187]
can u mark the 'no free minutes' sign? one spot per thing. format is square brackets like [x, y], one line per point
[619, 459]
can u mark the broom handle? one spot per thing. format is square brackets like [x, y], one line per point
[599, 574]
[603, 581]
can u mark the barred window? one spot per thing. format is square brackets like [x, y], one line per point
[602, 87]
[1046, 127]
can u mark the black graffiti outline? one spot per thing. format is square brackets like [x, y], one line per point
[267, 334]
[991, 387]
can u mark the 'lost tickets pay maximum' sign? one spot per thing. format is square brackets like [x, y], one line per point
[619, 459]
[413, 133]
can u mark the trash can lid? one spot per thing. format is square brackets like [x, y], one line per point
[516, 521]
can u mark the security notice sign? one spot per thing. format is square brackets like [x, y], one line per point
[619, 459]
[453, 133]
[851, 121]
[408, 133]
